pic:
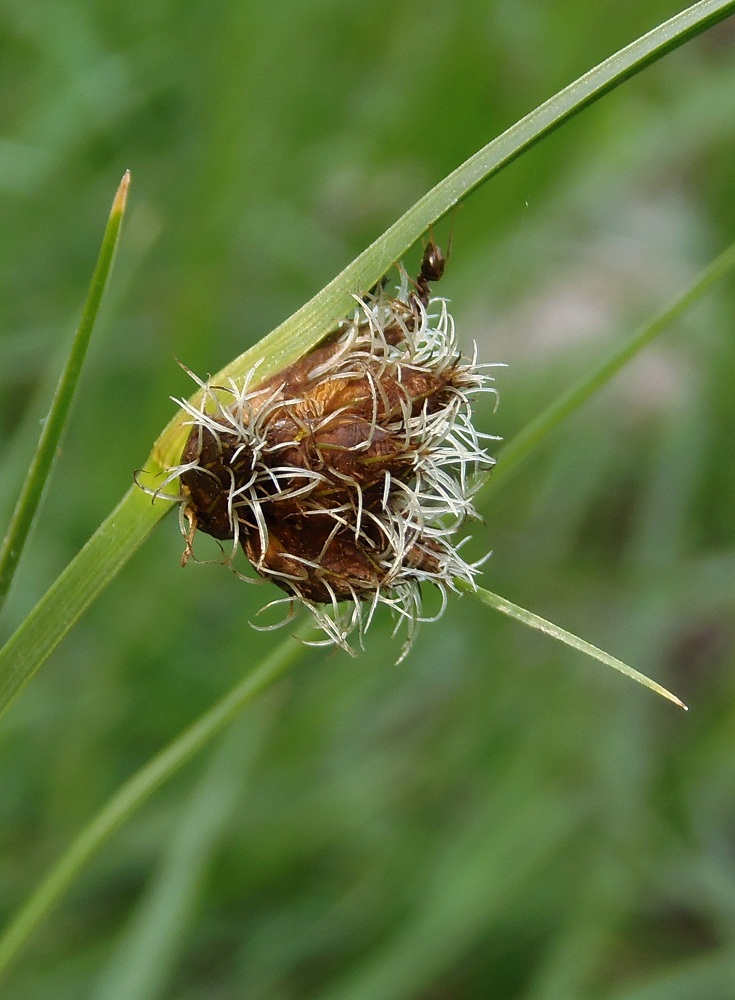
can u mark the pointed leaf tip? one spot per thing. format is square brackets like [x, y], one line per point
[664, 692]
[121, 195]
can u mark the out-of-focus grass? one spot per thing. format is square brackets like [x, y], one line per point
[492, 817]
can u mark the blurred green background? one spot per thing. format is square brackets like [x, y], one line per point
[497, 817]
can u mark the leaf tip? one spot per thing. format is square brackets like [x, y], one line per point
[121, 195]
[672, 697]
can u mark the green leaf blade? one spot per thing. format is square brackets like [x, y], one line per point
[104, 555]
[53, 427]
[506, 607]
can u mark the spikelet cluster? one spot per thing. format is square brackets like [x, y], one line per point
[346, 477]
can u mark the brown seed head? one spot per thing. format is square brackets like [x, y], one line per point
[344, 477]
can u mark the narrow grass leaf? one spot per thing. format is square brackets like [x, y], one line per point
[535, 621]
[73, 591]
[53, 426]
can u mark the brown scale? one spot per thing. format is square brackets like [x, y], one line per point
[354, 443]
[208, 486]
[342, 426]
[340, 566]
[339, 563]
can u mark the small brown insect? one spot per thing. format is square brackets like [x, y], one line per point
[433, 263]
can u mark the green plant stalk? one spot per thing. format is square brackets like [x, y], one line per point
[53, 426]
[71, 593]
[139, 788]
[512, 455]
[62, 605]
[498, 603]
